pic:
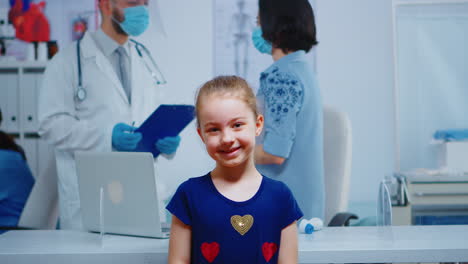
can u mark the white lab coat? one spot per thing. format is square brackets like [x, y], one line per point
[70, 125]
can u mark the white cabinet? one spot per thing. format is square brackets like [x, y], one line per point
[19, 87]
[30, 84]
[9, 99]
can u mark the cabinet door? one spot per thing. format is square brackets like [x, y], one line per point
[29, 91]
[9, 99]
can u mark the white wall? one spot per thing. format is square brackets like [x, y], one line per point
[186, 59]
[355, 71]
[354, 64]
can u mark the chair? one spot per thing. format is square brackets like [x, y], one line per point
[337, 146]
[41, 208]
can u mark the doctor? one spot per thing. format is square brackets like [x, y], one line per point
[92, 91]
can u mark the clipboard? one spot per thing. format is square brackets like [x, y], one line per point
[165, 121]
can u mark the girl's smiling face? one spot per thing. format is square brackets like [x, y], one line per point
[228, 128]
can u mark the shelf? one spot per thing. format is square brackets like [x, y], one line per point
[8, 64]
[31, 135]
[13, 134]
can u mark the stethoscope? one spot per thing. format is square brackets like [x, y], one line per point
[156, 74]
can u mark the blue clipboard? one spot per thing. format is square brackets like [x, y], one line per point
[165, 121]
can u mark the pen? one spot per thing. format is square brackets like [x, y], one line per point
[133, 127]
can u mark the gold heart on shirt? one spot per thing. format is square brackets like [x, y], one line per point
[242, 224]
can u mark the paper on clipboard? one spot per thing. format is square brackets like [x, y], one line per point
[165, 121]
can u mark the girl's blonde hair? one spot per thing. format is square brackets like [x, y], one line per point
[226, 86]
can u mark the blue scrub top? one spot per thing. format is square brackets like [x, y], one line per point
[290, 100]
[16, 182]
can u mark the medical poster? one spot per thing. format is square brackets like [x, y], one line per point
[234, 21]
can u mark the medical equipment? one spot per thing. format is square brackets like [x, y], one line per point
[398, 189]
[156, 73]
[308, 226]
[384, 205]
[433, 197]
[447, 135]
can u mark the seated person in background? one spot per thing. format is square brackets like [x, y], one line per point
[16, 180]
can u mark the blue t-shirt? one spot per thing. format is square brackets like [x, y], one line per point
[225, 231]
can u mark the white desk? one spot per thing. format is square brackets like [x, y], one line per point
[331, 245]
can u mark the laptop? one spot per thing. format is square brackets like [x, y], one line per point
[130, 198]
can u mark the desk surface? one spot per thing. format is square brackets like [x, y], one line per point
[331, 245]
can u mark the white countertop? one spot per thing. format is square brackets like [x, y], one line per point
[385, 244]
[330, 245]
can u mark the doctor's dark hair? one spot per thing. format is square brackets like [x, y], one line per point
[228, 86]
[288, 24]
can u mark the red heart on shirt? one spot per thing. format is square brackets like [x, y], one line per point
[269, 250]
[210, 251]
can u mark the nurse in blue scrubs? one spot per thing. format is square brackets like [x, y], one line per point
[291, 149]
[16, 181]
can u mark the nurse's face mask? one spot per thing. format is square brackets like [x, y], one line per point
[259, 42]
[130, 17]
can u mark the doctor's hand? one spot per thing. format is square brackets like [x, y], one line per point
[123, 138]
[168, 145]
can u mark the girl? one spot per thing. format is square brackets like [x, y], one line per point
[232, 214]
[292, 146]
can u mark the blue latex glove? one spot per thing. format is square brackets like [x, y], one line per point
[168, 145]
[123, 138]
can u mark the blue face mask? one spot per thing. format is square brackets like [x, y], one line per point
[259, 42]
[136, 20]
